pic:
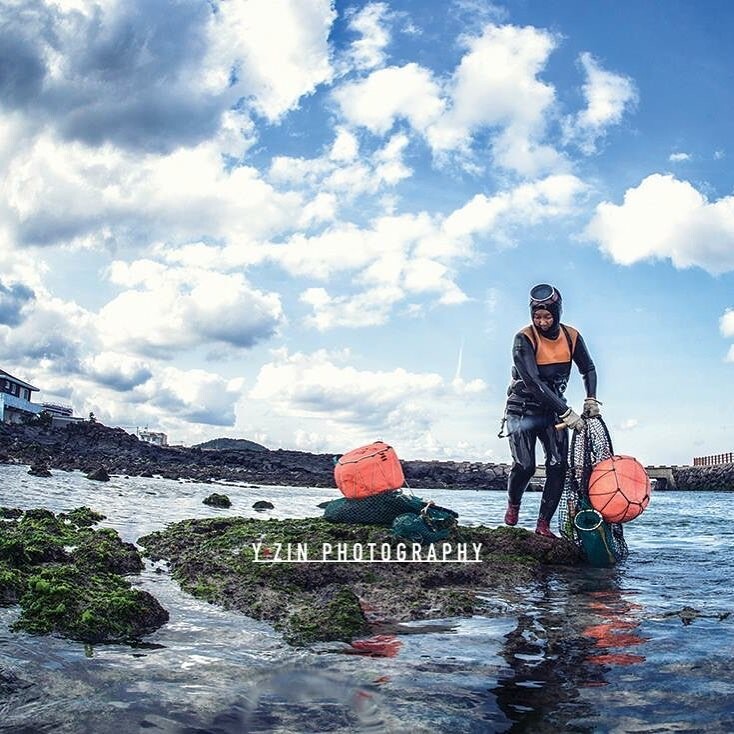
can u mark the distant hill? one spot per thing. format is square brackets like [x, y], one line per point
[225, 444]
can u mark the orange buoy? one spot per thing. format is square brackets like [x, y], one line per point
[619, 488]
[368, 470]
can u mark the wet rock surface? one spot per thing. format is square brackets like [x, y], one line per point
[39, 470]
[217, 500]
[69, 578]
[242, 564]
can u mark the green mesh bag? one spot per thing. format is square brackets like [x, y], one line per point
[382, 509]
[416, 528]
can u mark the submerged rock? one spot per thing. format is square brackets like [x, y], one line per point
[238, 563]
[262, 505]
[99, 475]
[217, 500]
[39, 470]
[68, 578]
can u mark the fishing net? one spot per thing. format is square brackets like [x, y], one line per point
[384, 509]
[420, 528]
[602, 543]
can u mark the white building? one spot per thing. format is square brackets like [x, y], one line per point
[156, 438]
[61, 413]
[15, 399]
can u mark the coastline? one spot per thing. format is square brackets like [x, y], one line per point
[89, 446]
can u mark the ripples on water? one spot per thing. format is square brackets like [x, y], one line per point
[590, 650]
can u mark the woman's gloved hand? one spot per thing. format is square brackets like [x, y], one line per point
[572, 420]
[591, 408]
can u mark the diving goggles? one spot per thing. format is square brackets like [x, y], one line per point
[543, 295]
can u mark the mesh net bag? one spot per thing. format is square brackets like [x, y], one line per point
[421, 528]
[382, 509]
[602, 543]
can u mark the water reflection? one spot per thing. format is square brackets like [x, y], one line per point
[618, 629]
[573, 628]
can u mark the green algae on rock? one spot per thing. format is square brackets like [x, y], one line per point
[248, 565]
[99, 607]
[68, 578]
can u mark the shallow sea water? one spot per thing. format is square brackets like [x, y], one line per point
[591, 650]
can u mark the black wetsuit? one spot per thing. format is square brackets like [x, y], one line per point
[540, 372]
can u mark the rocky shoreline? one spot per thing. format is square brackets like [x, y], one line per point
[91, 446]
[58, 568]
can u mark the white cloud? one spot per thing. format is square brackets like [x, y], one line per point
[546, 198]
[195, 396]
[51, 333]
[496, 85]
[408, 92]
[726, 323]
[320, 385]
[726, 327]
[608, 96]
[413, 255]
[679, 157]
[370, 308]
[368, 51]
[345, 147]
[665, 218]
[116, 370]
[169, 309]
[278, 48]
[341, 172]
[628, 424]
[71, 193]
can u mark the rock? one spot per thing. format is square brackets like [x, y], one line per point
[217, 500]
[82, 517]
[39, 470]
[261, 505]
[11, 513]
[93, 608]
[216, 560]
[336, 615]
[100, 475]
[68, 579]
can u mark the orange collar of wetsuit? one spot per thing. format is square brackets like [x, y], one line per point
[552, 351]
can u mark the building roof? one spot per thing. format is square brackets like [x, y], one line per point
[3, 373]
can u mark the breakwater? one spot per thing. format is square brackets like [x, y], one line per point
[720, 478]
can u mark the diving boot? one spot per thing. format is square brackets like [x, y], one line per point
[543, 528]
[511, 514]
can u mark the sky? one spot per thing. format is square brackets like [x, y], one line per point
[315, 224]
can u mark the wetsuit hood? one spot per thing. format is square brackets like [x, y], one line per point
[547, 298]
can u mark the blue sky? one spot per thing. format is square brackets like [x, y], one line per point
[315, 224]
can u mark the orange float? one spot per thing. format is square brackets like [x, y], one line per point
[619, 488]
[368, 470]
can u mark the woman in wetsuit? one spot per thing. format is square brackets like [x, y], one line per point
[542, 354]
